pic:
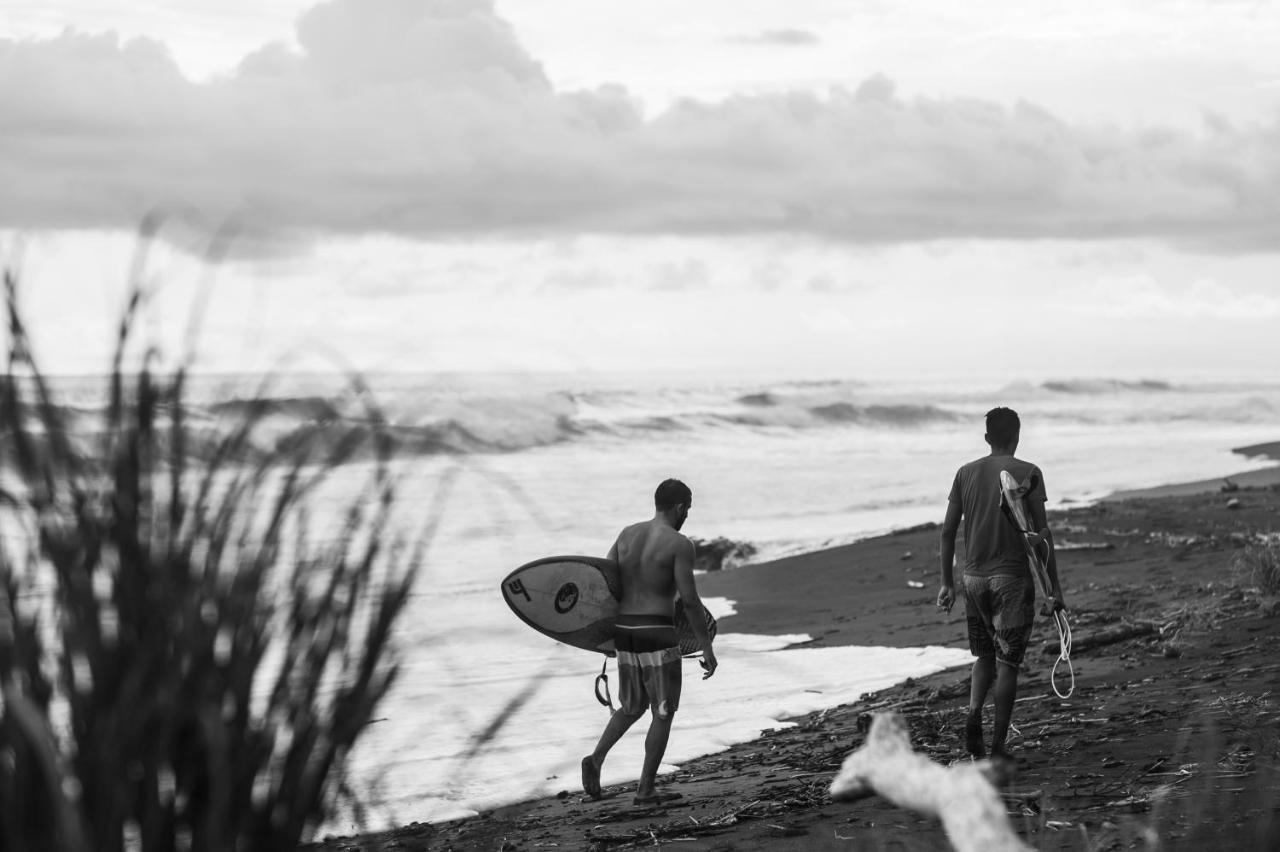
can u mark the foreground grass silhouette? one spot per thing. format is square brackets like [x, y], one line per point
[183, 665]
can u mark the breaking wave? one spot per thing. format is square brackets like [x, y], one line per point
[1105, 386]
[891, 415]
[424, 415]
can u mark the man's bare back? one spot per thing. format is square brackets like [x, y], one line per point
[657, 565]
[648, 553]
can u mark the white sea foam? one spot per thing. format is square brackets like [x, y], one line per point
[427, 771]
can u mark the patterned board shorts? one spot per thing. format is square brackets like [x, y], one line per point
[1000, 612]
[648, 664]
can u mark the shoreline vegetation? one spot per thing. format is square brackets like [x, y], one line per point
[1171, 739]
[185, 661]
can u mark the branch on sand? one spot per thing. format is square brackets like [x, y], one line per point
[962, 796]
[1107, 636]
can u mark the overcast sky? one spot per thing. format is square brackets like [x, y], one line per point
[817, 186]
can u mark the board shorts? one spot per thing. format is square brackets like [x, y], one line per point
[1000, 611]
[648, 664]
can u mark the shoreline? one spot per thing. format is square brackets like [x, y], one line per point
[1153, 555]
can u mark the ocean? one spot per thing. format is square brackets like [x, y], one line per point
[515, 467]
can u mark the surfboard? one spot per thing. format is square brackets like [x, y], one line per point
[1013, 501]
[574, 600]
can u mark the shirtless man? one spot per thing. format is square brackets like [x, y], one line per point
[998, 590]
[657, 564]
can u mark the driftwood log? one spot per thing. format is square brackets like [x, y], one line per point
[972, 812]
[1107, 636]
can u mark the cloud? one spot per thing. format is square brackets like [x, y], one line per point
[584, 278]
[781, 38]
[1142, 297]
[691, 273]
[428, 119]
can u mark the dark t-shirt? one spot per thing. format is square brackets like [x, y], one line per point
[992, 547]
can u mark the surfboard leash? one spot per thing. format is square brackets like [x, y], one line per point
[1064, 655]
[602, 680]
[1059, 616]
[1064, 632]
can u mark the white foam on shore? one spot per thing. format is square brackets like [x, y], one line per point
[425, 772]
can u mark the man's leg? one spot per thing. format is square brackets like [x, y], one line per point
[655, 745]
[664, 687]
[1006, 692]
[1015, 601]
[984, 672]
[619, 723]
[977, 608]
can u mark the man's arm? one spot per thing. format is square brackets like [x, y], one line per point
[694, 611]
[1040, 521]
[947, 557]
[613, 551]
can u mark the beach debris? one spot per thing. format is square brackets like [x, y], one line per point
[915, 584]
[972, 812]
[1106, 636]
[1169, 539]
[787, 798]
[1083, 545]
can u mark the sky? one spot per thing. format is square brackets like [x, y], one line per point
[817, 187]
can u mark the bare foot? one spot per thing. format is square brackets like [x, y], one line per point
[590, 777]
[973, 737]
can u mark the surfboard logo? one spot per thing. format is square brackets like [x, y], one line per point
[566, 598]
[517, 588]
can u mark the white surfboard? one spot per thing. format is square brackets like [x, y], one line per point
[1013, 497]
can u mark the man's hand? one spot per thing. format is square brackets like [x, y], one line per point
[1059, 604]
[1036, 539]
[708, 663]
[946, 598]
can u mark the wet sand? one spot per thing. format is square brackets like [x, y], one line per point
[1175, 730]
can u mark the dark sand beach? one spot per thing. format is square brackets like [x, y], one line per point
[1173, 730]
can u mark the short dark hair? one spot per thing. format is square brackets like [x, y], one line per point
[1003, 426]
[671, 493]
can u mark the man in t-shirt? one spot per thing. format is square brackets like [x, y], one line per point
[999, 593]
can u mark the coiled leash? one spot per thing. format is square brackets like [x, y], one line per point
[602, 681]
[1064, 654]
[1059, 616]
[1051, 608]
[1017, 516]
